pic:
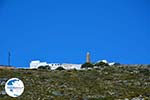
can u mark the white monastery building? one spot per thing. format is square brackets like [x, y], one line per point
[67, 66]
[53, 66]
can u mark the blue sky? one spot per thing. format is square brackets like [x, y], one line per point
[64, 30]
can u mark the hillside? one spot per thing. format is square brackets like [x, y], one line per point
[107, 83]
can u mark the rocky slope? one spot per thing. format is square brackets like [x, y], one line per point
[107, 83]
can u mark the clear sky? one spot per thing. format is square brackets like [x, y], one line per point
[64, 30]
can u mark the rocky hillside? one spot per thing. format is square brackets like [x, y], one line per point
[106, 83]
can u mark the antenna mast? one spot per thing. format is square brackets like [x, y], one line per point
[9, 58]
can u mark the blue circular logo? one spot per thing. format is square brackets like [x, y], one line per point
[14, 87]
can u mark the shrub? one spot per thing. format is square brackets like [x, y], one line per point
[60, 68]
[101, 64]
[44, 67]
[145, 71]
[117, 64]
[87, 65]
